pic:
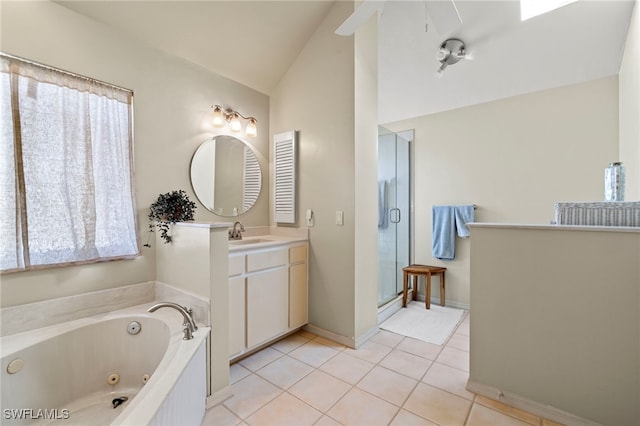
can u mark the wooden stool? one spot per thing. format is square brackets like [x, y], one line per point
[415, 271]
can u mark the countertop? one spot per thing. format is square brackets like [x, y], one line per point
[554, 227]
[263, 241]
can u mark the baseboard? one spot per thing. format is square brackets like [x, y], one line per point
[349, 342]
[393, 306]
[362, 339]
[533, 407]
[449, 303]
[219, 396]
[386, 311]
[248, 352]
[343, 340]
[452, 304]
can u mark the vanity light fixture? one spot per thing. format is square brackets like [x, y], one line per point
[220, 115]
[252, 129]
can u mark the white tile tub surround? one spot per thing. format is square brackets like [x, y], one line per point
[199, 305]
[157, 402]
[31, 316]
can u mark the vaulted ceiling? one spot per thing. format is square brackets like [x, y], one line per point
[255, 42]
[578, 42]
[252, 42]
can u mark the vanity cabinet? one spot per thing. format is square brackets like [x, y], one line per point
[268, 294]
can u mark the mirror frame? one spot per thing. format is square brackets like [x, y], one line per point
[221, 212]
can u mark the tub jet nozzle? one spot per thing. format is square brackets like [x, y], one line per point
[119, 401]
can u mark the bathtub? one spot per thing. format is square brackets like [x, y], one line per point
[70, 373]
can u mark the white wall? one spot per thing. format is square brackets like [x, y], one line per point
[513, 158]
[172, 100]
[318, 97]
[630, 108]
[366, 179]
[198, 262]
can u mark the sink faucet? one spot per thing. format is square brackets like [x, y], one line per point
[236, 234]
[189, 325]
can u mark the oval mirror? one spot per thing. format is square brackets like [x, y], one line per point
[226, 175]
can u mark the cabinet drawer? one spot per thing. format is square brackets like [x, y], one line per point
[236, 265]
[298, 254]
[267, 259]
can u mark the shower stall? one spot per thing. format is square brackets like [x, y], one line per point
[394, 211]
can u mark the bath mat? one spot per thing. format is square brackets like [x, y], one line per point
[433, 325]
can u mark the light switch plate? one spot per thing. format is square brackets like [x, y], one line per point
[309, 217]
[339, 217]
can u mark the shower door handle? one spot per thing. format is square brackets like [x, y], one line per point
[398, 217]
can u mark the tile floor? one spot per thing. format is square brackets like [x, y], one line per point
[391, 380]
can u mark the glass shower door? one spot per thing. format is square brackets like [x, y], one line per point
[393, 213]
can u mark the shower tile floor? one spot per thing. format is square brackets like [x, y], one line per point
[391, 380]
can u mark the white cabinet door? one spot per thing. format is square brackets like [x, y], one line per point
[237, 322]
[267, 305]
[298, 295]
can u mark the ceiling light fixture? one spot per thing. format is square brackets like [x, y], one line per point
[220, 115]
[451, 51]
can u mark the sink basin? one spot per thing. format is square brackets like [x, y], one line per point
[251, 241]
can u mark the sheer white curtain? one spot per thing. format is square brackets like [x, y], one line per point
[66, 169]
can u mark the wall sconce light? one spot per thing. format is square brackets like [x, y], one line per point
[232, 117]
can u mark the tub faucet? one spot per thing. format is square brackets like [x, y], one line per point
[189, 325]
[236, 234]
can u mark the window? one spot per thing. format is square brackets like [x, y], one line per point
[66, 168]
[532, 8]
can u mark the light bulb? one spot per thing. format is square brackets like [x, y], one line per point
[235, 123]
[442, 54]
[440, 72]
[218, 118]
[252, 129]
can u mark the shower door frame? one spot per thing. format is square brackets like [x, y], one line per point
[404, 216]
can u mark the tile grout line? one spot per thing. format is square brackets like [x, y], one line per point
[393, 347]
[353, 386]
[418, 381]
[314, 369]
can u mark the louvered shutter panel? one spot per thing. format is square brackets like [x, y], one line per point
[284, 177]
[252, 179]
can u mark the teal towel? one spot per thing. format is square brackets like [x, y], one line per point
[446, 221]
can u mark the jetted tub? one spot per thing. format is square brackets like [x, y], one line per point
[71, 373]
